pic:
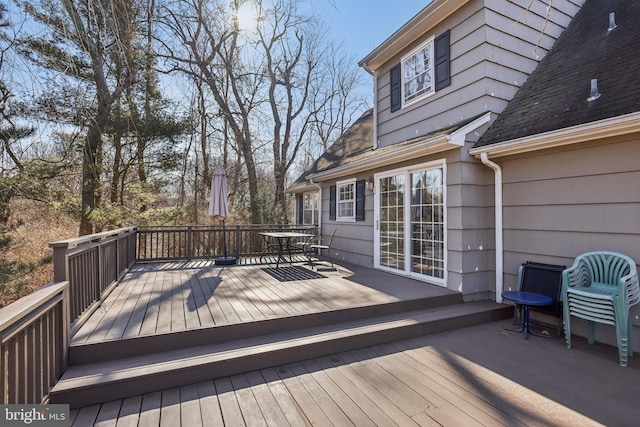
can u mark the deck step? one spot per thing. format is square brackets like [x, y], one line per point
[91, 383]
[80, 354]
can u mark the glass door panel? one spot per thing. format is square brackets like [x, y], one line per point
[392, 239]
[427, 223]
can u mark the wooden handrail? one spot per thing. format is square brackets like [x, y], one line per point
[35, 330]
[76, 241]
[34, 343]
[92, 264]
[168, 243]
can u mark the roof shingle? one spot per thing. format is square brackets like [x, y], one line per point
[555, 94]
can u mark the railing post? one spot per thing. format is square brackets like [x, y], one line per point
[99, 273]
[238, 242]
[59, 261]
[66, 325]
[132, 247]
[189, 241]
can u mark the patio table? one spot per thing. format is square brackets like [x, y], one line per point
[283, 237]
[526, 299]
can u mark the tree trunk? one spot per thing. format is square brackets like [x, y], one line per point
[115, 170]
[91, 174]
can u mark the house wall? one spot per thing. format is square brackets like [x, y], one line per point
[563, 202]
[494, 44]
[353, 241]
[469, 238]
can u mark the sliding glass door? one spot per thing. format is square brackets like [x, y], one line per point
[410, 227]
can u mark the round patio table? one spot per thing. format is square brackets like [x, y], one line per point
[526, 299]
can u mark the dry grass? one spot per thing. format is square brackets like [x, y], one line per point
[26, 260]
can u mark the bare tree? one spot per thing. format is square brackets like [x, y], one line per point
[273, 85]
[310, 86]
[207, 48]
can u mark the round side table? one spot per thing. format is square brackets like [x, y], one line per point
[527, 299]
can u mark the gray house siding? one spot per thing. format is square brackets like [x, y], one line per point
[469, 256]
[443, 107]
[469, 236]
[563, 202]
[353, 241]
[490, 58]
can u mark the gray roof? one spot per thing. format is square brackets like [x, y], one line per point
[555, 94]
[355, 140]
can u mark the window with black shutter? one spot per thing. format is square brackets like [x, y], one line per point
[396, 88]
[301, 209]
[360, 185]
[420, 73]
[332, 203]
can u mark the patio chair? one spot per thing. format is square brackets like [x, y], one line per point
[601, 287]
[320, 243]
[305, 245]
[545, 279]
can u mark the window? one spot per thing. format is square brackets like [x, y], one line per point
[346, 200]
[422, 72]
[417, 73]
[310, 208]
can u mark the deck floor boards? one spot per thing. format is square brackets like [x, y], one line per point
[150, 410]
[269, 406]
[477, 375]
[157, 298]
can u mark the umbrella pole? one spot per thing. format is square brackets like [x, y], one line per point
[225, 260]
[224, 239]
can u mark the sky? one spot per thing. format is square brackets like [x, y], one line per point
[362, 25]
[365, 24]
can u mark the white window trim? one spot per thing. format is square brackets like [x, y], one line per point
[431, 41]
[345, 218]
[440, 163]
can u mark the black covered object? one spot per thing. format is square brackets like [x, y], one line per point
[545, 279]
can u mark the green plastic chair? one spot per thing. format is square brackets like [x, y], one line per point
[601, 287]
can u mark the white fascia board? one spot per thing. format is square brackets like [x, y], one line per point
[425, 147]
[434, 13]
[459, 137]
[422, 148]
[301, 188]
[606, 128]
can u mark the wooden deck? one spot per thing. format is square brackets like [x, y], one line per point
[168, 297]
[479, 375]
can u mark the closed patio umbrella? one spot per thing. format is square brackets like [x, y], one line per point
[219, 208]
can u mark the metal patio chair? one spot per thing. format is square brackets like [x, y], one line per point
[320, 243]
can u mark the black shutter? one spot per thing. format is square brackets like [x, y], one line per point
[332, 203]
[442, 61]
[395, 85]
[360, 200]
[301, 209]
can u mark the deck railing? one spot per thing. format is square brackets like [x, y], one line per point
[34, 343]
[35, 331]
[243, 242]
[92, 264]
